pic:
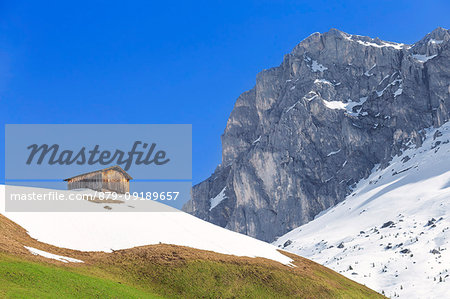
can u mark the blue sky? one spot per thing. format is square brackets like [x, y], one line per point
[169, 61]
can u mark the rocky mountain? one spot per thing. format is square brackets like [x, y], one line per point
[298, 142]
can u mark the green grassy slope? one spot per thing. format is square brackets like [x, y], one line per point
[137, 278]
[160, 271]
[25, 279]
[206, 276]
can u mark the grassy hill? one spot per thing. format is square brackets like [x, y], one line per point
[160, 271]
[20, 278]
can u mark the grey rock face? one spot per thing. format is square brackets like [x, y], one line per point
[336, 107]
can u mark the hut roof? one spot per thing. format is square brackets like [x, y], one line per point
[116, 167]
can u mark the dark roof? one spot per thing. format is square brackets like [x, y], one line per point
[116, 167]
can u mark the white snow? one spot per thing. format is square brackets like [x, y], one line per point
[367, 73]
[382, 45]
[308, 97]
[347, 106]
[52, 256]
[292, 107]
[435, 41]
[317, 67]
[335, 104]
[409, 258]
[106, 231]
[398, 92]
[219, 198]
[393, 83]
[351, 105]
[257, 140]
[333, 153]
[423, 58]
[322, 81]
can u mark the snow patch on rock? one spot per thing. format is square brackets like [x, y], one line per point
[221, 196]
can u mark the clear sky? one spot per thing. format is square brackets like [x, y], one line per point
[169, 61]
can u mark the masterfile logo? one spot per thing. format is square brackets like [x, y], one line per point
[52, 155]
[48, 152]
[106, 163]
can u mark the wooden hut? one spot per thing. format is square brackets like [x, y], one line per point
[111, 179]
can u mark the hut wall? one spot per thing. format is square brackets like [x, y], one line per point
[92, 181]
[115, 181]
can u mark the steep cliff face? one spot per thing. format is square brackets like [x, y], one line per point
[310, 129]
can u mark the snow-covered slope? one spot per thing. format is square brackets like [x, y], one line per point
[392, 233]
[104, 231]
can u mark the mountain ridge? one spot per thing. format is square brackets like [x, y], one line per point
[311, 128]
